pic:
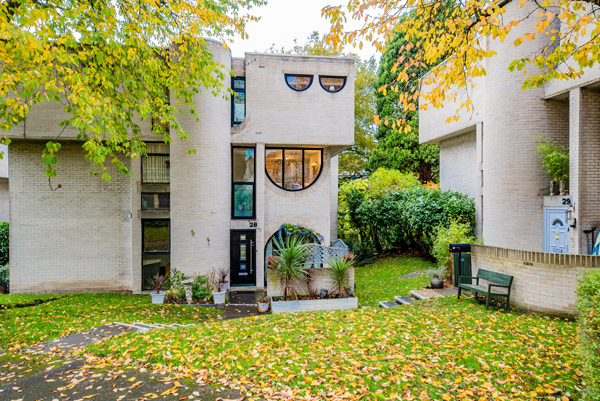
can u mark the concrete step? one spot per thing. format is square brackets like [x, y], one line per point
[144, 327]
[405, 300]
[388, 304]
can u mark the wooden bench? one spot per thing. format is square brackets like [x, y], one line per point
[495, 279]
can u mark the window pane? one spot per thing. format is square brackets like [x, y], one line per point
[243, 165]
[157, 148]
[243, 200]
[156, 235]
[155, 169]
[312, 165]
[298, 82]
[153, 265]
[273, 163]
[239, 107]
[156, 201]
[332, 84]
[239, 83]
[293, 169]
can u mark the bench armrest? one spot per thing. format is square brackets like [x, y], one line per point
[498, 285]
[460, 279]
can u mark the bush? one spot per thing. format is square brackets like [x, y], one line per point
[555, 158]
[456, 232]
[3, 243]
[588, 306]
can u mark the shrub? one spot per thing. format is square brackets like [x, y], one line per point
[3, 243]
[588, 306]
[340, 273]
[555, 158]
[456, 232]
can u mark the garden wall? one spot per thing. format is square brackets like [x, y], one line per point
[543, 282]
[322, 279]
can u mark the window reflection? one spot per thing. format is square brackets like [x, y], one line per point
[298, 82]
[274, 165]
[332, 84]
[293, 169]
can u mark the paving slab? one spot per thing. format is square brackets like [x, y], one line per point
[405, 300]
[426, 293]
[412, 274]
[388, 304]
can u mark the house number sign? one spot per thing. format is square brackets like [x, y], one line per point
[253, 224]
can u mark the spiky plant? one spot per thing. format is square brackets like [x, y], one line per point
[340, 272]
[157, 282]
[291, 267]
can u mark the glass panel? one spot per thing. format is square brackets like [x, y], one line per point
[239, 83]
[157, 148]
[156, 235]
[164, 201]
[156, 201]
[312, 165]
[242, 238]
[293, 169]
[153, 265]
[243, 252]
[155, 169]
[147, 201]
[239, 107]
[273, 163]
[243, 165]
[298, 82]
[332, 84]
[243, 200]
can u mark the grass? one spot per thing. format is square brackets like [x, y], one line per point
[21, 327]
[381, 280]
[437, 349]
[22, 300]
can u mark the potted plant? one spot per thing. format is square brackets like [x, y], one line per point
[223, 275]
[158, 297]
[555, 158]
[217, 286]
[290, 264]
[263, 304]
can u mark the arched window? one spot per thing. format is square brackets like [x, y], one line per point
[332, 84]
[298, 82]
[293, 169]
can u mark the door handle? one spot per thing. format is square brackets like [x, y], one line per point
[251, 252]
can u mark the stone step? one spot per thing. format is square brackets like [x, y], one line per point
[388, 304]
[405, 300]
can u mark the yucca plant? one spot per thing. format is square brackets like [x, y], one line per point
[291, 267]
[340, 272]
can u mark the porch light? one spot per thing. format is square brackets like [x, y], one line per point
[570, 217]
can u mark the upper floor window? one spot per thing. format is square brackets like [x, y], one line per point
[293, 169]
[332, 84]
[238, 102]
[243, 182]
[298, 82]
[155, 166]
[155, 201]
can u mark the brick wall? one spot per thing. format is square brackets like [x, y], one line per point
[76, 238]
[544, 282]
[459, 164]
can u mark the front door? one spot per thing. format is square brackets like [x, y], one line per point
[556, 230]
[243, 257]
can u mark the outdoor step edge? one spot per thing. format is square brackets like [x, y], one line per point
[415, 294]
[403, 302]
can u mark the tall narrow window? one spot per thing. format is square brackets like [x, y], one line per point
[155, 166]
[156, 249]
[243, 182]
[238, 101]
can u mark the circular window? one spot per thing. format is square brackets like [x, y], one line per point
[332, 84]
[293, 169]
[298, 82]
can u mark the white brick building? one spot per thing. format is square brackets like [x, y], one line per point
[491, 153]
[266, 159]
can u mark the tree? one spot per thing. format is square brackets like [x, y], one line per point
[112, 64]
[397, 149]
[453, 34]
[352, 161]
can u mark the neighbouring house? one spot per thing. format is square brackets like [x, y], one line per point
[264, 158]
[4, 184]
[491, 154]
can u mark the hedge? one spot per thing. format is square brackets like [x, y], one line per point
[588, 307]
[3, 243]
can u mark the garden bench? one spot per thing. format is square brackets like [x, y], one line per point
[495, 279]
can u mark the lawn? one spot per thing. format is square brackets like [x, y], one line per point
[381, 280]
[21, 300]
[438, 349]
[72, 313]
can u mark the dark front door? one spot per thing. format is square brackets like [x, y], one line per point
[243, 257]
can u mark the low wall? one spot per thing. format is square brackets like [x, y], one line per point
[543, 282]
[322, 280]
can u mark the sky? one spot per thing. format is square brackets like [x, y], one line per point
[282, 21]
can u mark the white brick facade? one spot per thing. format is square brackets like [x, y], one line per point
[87, 235]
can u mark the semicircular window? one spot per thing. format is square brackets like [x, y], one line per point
[293, 169]
[332, 84]
[298, 82]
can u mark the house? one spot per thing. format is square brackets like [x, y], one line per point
[264, 158]
[491, 154]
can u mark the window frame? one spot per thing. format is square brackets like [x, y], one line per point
[332, 76]
[155, 154]
[233, 79]
[143, 239]
[283, 149]
[154, 193]
[285, 77]
[234, 183]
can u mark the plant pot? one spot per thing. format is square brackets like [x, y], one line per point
[219, 297]
[436, 283]
[158, 298]
[263, 307]
[553, 188]
[563, 187]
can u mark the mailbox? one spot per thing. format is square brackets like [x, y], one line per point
[459, 248]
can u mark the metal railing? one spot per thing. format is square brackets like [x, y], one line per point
[318, 254]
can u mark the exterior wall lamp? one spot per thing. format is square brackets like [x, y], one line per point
[569, 215]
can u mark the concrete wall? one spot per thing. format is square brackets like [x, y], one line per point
[584, 166]
[543, 282]
[76, 238]
[321, 280]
